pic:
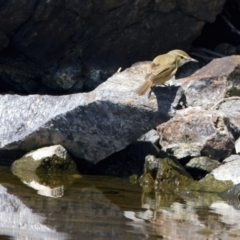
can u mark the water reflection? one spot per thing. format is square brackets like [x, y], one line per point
[19, 222]
[106, 207]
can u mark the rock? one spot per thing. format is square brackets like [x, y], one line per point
[229, 170]
[202, 164]
[194, 132]
[56, 33]
[226, 49]
[167, 175]
[44, 160]
[90, 126]
[217, 80]
[230, 107]
[96, 124]
[4, 40]
[237, 146]
[151, 136]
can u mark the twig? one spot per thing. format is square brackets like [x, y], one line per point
[233, 28]
[212, 52]
[224, 99]
[201, 56]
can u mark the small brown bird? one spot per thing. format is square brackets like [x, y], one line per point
[163, 68]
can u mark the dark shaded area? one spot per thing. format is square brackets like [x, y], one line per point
[123, 163]
[196, 173]
[218, 31]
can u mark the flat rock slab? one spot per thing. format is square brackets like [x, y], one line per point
[89, 125]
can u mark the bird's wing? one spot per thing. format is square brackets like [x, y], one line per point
[162, 65]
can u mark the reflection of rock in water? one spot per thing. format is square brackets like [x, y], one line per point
[18, 221]
[45, 190]
[49, 170]
[232, 196]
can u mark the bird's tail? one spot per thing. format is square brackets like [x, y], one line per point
[144, 87]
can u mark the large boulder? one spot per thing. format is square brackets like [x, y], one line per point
[194, 132]
[94, 125]
[62, 36]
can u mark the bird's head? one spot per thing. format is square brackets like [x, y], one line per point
[181, 57]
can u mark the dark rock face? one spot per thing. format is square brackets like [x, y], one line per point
[62, 36]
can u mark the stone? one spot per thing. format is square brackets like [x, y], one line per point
[194, 132]
[217, 80]
[56, 33]
[230, 107]
[229, 170]
[237, 146]
[97, 124]
[44, 160]
[92, 125]
[203, 164]
[226, 49]
[151, 136]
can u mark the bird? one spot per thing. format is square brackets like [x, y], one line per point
[163, 68]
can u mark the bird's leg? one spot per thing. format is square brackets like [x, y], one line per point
[150, 92]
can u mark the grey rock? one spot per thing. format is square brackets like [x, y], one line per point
[48, 159]
[230, 107]
[183, 150]
[63, 76]
[203, 163]
[237, 146]
[229, 170]
[92, 125]
[231, 158]
[151, 136]
[217, 80]
[194, 132]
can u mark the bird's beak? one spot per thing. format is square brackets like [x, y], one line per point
[193, 60]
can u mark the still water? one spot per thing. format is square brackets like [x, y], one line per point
[95, 207]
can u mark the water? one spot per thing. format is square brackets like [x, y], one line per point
[95, 207]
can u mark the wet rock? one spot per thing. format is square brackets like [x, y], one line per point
[229, 170]
[203, 164]
[44, 160]
[167, 175]
[194, 132]
[90, 126]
